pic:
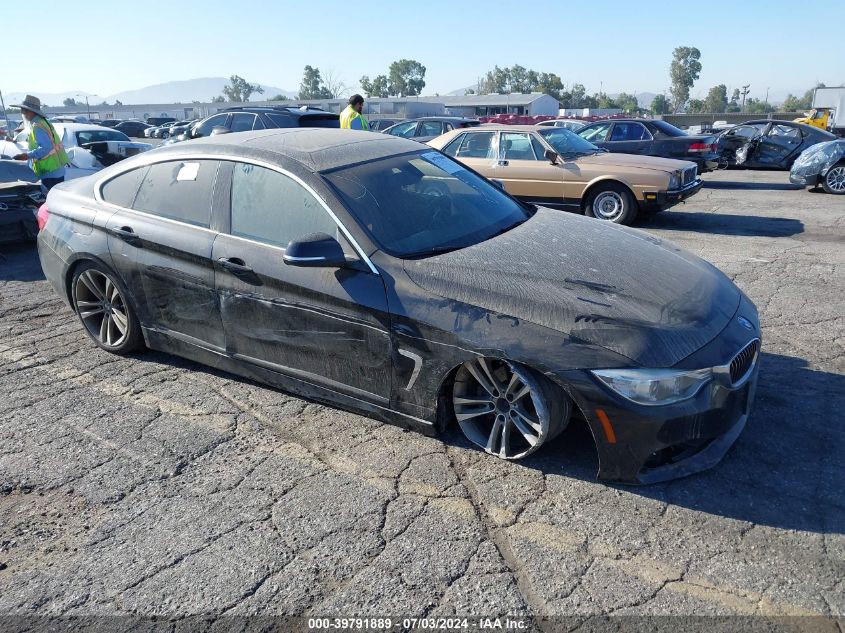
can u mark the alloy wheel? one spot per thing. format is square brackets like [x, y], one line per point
[501, 407]
[835, 179]
[608, 205]
[101, 307]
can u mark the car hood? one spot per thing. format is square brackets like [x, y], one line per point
[619, 288]
[611, 159]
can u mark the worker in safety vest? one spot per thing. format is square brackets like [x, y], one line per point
[351, 118]
[46, 155]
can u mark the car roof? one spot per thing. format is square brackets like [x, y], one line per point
[316, 149]
[82, 127]
[269, 109]
[800, 126]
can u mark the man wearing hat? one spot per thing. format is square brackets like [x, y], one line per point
[46, 155]
[351, 118]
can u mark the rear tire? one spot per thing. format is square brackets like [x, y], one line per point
[101, 304]
[834, 181]
[612, 202]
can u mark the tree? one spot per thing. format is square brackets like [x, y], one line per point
[733, 104]
[627, 102]
[334, 85]
[217, 99]
[69, 102]
[312, 85]
[375, 88]
[757, 106]
[118, 102]
[604, 102]
[549, 84]
[684, 70]
[695, 106]
[239, 90]
[406, 78]
[716, 99]
[660, 105]
[279, 97]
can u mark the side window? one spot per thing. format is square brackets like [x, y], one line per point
[595, 134]
[122, 189]
[629, 132]
[204, 129]
[476, 145]
[452, 148]
[272, 208]
[242, 122]
[516, 146]
[179, 190]
[539, 150]
[745, 131]
[405, 130]
[259, 124]
[785, 131]
[430, 128]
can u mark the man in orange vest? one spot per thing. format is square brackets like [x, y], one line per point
[46, 155]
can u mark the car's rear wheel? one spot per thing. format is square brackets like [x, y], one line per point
[507, 409]
[834, 181]
[105, 313]
[612, 202]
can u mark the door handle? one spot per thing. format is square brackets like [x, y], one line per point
[126, 234]
[235, 265]
[502, 163]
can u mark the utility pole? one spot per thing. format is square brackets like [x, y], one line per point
[744, 92]
[767, 98]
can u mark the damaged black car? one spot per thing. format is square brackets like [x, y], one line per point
[371, 273]
[767, 144]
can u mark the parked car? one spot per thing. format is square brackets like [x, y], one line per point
[70, 118]
[243, 119]
[652, 138]
[165, 130]
[379, 125]
[107, 122]
[155, 121]
[20, 197]
[9, 129]
[768, 143]
[430, 127]
[569, 124]
[89, 147]
[466, 308]
[821, 164]
[132, 128]
[554, 167]
[148, 133]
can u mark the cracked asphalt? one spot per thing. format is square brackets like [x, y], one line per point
[156, 487]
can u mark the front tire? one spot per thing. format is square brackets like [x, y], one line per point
[834, 181]
[102, 307]
[506, 409]
[612, 202]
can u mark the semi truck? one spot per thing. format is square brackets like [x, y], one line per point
[828, 111]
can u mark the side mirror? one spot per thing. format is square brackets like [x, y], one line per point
[551, 156]
[498, 183]
[219, 129]
[317, 250]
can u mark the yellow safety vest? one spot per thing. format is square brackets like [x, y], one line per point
[349, 115]
[56, 158]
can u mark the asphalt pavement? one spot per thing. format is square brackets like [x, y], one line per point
[152, 486]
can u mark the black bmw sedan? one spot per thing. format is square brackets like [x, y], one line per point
[374, 274]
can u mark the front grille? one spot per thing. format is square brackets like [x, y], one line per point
[689, 175]
[742, 362]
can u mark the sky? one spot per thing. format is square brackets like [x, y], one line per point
[618, 46]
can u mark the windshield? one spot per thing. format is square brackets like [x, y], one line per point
[99, 136]
[420, 204]
[568, 142]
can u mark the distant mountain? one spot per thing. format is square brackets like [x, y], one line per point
[202, 89]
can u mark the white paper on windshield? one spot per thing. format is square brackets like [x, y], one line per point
[188, 171]
[439, 160]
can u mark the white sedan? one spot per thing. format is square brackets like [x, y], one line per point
[89, 147]
[569, 124]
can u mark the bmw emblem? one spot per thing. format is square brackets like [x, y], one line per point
[745, 323]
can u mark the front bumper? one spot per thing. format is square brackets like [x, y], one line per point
[804, 181]
[666, 199]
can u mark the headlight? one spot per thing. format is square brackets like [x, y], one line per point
[654, 386]
[675, 180]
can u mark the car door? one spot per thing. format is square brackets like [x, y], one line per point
[242, 122]
[204, 128]
[160, 241]
[779, 146]
[323, 326]
[428, 130]
[525, 171]
[629, 137]
[738, 136]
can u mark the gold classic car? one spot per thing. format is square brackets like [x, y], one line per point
[554, 167]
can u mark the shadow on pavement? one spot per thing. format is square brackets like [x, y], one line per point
[756, 186]
[784, 471]
[19, 262]
[741, 225]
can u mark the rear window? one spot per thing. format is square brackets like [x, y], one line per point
[667, 129]
[179, 190]
[306, 120]
[121, 190]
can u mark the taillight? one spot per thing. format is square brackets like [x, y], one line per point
[42, 216]
[702, 147]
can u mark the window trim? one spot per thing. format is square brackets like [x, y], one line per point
[237, 159]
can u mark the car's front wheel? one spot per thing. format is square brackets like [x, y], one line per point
[507, 409]
[104, 311]
[834, 181]
[612, 202]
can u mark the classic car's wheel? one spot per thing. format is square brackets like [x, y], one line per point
[612, 202]
[834, 182]
[507, 409]
[104, 311]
